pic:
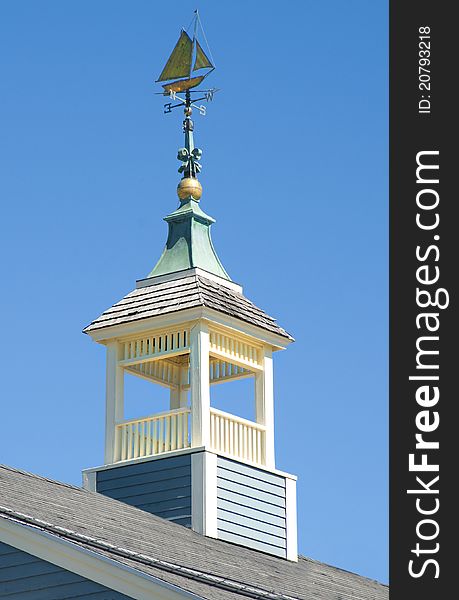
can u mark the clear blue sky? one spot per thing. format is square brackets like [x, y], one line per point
[295, 172]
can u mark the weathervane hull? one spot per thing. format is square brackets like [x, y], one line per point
[183, 85]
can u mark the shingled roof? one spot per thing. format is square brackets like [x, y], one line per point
[209, 568]
[180, 294]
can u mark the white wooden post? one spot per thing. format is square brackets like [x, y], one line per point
[199, 384]
[204, 493]
[179, 396]
[264, 404]
[183, 378]
[174, 398]
[114, 400]
[291, 519]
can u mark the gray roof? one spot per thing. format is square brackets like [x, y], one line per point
[187, 292]
[209, 568]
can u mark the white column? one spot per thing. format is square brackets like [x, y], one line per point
[174, 398]
[200, 388]
[264, 404]
[114, 400]
[291, 519]
[179, 396]
[183, 395]
[204, 493]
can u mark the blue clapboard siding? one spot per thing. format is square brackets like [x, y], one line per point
[161, 487]
[27, 577]
[251, 507]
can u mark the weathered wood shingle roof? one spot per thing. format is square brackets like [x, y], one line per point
[180, 294]
[209, 568]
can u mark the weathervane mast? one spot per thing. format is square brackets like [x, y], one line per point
[187, 57]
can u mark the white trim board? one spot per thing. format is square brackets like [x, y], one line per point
[87, 472]
[204, 494]
[89, 564]
[104, 334]
[149, 281]
[134, 461]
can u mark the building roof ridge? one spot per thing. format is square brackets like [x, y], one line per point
[42, 477]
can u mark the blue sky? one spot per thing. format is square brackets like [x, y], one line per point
[295, 172]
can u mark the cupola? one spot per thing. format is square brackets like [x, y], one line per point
[188, 327]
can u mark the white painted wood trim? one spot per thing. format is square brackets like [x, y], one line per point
[179, 395]
[291, 520]
[174, 398]
[177, 453]
[89, 481]
[160, 415]
[244, 461]
[158, 356]
[149, 281]
[226, 356]
[173, 323]
[236, 419]
[89, 564]
[264, 404]
[114, 399]
[198, 516]
[183, 386]
[141, 459]
[210, 478]
[277, 341]
[204, 493]
[105, 334]
[200, 386]
[126, 330]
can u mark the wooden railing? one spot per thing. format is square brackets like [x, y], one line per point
[152, 435]
[237, 437]
[235, 349]
[156, 345]
[171, 430]
[164, 372]
[221, 370]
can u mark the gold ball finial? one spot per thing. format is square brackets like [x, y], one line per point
[189, 186]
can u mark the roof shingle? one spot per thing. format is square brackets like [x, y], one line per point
[212, 569]
[188, 292]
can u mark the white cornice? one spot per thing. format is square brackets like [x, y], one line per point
[194, 450]
[112, 332]
[105, 334]
[278, 342]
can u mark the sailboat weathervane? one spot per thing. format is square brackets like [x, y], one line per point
[186, 58]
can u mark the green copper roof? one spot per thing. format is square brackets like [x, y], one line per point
[189, 243]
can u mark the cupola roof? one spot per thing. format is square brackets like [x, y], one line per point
[158, 296]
